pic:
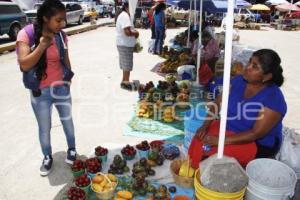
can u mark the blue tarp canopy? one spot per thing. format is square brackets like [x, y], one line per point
[211, 6]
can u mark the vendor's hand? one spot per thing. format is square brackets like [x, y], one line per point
[211, 140]
[201, 132]
[137, 34]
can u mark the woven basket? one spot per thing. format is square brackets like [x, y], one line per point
[105, 195]
[185, 182]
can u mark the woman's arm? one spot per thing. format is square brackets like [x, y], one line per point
[131, 32]
[28, 59]
[266, 120]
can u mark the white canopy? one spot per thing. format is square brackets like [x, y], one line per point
[276, 2]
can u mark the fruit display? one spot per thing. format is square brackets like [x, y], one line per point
[78, 165]
[124, 195]
[145, 110]
[157, 144]
[168, 115]
[119, 166]
[180, 39]
[172, 189]
[93, 165]
[104, 183]
[162, 193]
[75, 193]
[140, 185]
[155, 157]
[82, 181]
[101, 151]
[142, 169]
[171, 78]
[174, 61]
[143, 146]
[128, 152]
[171, 151]
[186, 170]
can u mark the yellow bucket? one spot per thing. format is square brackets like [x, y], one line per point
[203, 193]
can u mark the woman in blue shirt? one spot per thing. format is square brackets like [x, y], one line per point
[256, 107]
[160, 30]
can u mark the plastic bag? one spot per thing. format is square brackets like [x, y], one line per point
[138, 46]
[186, 72]
[151, 46]
[290, 149]
[223, 175]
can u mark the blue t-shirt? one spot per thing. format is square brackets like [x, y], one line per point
[242, 112]
[158, 18]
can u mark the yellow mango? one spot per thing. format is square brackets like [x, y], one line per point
[97, 187]
[125, 194]
[103, 183]
[97, 179]
[186, 170]
[112, 177]
[114, 184]
[119, 198]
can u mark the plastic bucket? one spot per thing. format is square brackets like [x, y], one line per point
[270, 179]
[203, 193]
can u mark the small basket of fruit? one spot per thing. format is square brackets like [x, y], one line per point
[143, 149]
[182, 173]
[93, 166]
[78, 168]
[84, 183]
[128, 152]
[101, 153]
[104, 185]
[157, 144]
[76, 193]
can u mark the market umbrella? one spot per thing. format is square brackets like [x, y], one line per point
[276, 2]
[132, 8]
[287, 7]
[297, 4]
[260, 7]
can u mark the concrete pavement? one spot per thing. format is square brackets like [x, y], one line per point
[100, 107]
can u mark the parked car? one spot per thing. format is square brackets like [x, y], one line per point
[12, 19]
[91, 8]
[244, 14]
[75, 13]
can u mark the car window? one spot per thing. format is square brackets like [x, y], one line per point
[75, 7]
[244, 11]
[68, 7]
[9, 9]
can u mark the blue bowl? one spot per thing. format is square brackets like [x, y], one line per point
[143, 154]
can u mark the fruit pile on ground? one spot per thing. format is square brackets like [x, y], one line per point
[169, 114]
[82, 181]
[124, 195]
[162, 193]
[93, 165]
[119, 166]
[155, 157]
[100, 183]
[75, 193]
[77, 166]
[142, 169]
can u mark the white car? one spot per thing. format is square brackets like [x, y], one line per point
[75, 13]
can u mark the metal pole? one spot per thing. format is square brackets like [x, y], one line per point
[199, 42]
[189, 30]
[226, 77]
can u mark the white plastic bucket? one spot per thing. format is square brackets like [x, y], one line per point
[270, 180]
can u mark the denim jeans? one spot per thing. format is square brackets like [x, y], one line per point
[60, 97]
[159, 39]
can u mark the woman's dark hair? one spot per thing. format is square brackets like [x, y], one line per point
[270, 62]
[124, 6]
[48, 9]
[160, 7]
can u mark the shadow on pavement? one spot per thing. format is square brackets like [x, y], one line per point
[61, 174]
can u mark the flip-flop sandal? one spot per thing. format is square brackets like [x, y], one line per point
[126, 86]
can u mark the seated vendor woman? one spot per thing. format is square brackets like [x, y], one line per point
[256, 108]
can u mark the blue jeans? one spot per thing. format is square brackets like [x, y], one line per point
[60, 97]
[159, 39]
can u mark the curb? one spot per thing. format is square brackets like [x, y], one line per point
[12, 45]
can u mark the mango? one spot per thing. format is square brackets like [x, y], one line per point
[125, 194]
[97, 179]
[97, 188]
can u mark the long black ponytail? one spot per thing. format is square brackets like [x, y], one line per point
[48, 9]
